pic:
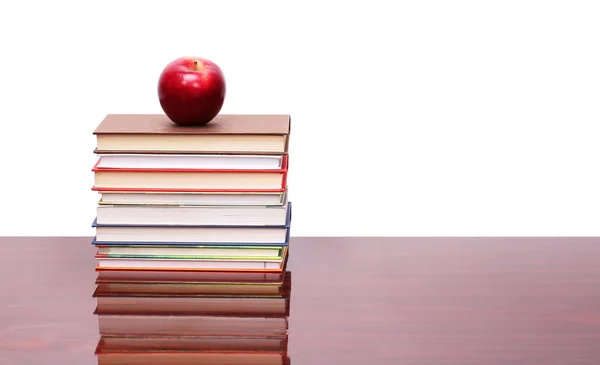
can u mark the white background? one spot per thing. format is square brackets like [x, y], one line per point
[408, 117]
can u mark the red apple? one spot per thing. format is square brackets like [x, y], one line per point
[191, 90]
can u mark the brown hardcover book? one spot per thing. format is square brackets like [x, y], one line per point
[187, 350]
[111, 303]
[190, 325]
[207, 277]
[195, 288]
[190, 343]
[209, 287]
[226, 134]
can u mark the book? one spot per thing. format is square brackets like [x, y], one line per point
[271, 289]
[181, 180]
[228, 134]
[188, 264]
[212, 235]
[189, 251]
[198, 350]
[277, 343]
[184, 276]
[241, 264]
[168, 304]
[190, 325]
[207, 161]
[192, 198]
[193, 216]
[191, 236]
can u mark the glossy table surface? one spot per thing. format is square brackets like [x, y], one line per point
[363, 301]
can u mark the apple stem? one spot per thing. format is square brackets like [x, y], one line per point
[195, 65]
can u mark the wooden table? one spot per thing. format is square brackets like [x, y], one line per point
[363, 301]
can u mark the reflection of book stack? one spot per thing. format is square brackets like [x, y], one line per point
[170, 317]
[192, 231]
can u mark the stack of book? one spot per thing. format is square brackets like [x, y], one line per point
[192, 236]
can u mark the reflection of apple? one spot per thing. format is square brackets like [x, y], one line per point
[191, 90]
